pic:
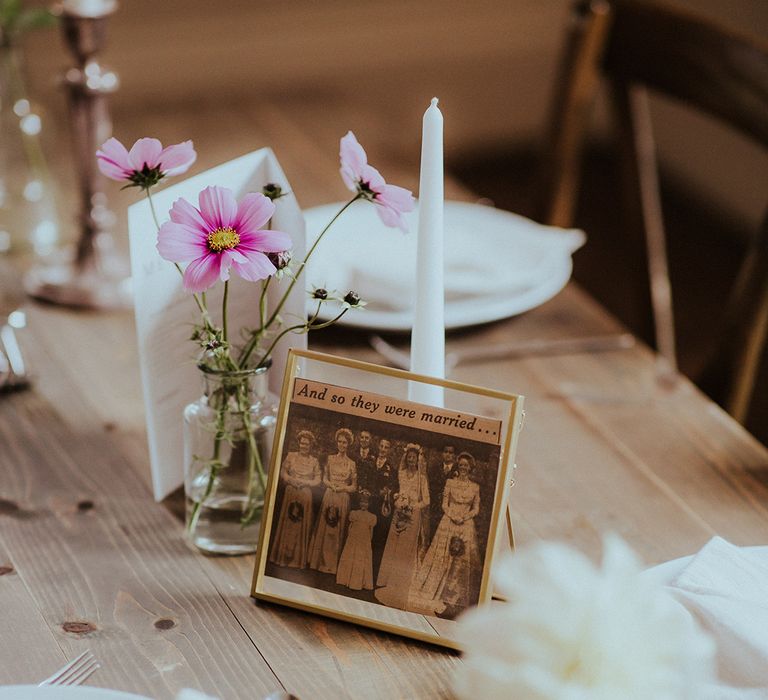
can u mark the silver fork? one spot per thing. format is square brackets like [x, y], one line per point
[75, 672]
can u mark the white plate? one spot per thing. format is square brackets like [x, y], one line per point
[33, 692]
[497, 264]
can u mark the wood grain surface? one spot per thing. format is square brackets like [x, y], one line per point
[89, 560]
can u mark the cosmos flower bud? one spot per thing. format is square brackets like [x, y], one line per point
[352, 298]
[280, 260]
[272, 191]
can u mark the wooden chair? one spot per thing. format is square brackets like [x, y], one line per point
[639, 46]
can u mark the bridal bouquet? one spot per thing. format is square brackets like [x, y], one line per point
[403, 513]
[217, 236]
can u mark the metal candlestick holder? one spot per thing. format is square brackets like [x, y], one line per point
[93, 275]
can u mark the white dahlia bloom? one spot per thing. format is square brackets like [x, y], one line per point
[571, 631]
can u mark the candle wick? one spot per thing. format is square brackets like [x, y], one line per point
[434, 102]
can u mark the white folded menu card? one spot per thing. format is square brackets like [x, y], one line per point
[166, 313]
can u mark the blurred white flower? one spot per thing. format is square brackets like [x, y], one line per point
[570, 631]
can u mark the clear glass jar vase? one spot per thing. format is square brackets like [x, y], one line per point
[228, 436]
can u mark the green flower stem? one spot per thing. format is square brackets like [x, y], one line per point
[230, 362]
[257, 334]
[224, 312]
[232, 365]
[279, 308]
[263, 297]
[255, 468]
[152, 209]
[300, 328]
[256, 472]
[316, 314]
[325, 324]
[215, 466]
[199, 504]
[263, 304]
[251, 345]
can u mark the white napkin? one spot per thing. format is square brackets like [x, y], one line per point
[725, 588]
[488, 253]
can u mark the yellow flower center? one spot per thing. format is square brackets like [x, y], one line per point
[223, 239]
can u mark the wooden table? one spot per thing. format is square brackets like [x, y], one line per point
[89, 560]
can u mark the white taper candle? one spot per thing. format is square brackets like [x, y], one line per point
[428, 334]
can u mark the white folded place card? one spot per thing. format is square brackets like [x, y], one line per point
[166, 313]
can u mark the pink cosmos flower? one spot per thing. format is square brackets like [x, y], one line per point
[392, 201]
[146, 163]
[221, 234]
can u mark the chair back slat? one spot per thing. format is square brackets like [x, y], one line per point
[641, 46]
[571, 110]
[732, 369]
[694, 60]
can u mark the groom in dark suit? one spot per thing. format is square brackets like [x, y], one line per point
[439, 472]
[365, 459]
[382, 497]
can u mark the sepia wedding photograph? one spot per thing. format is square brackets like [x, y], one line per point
[389, 514]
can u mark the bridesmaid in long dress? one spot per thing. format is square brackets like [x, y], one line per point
[356, 563]
[443, 581]
[340, 480]
[300, 472]
[406, 538]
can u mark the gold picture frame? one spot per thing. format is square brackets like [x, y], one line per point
[396, 535]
